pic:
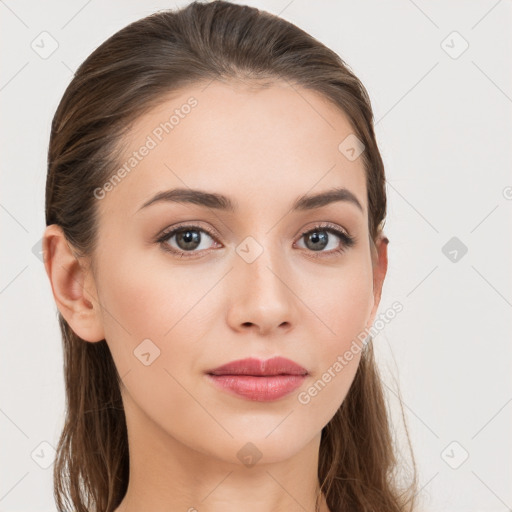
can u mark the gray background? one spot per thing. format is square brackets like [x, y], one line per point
[444, 126]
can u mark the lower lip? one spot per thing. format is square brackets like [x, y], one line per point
[261, 389]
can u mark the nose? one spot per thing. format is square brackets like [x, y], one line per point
[262, 296]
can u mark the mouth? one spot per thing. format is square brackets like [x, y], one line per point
[257, 380]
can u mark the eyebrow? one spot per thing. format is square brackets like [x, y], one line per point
[222, 202]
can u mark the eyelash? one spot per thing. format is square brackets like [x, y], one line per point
[347, 241]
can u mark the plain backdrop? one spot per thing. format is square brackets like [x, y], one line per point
[439, 77]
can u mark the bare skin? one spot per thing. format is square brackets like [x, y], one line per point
[263, 148]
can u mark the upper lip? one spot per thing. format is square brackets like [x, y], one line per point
[251, 366]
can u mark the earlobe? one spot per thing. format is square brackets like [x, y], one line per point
[70, 284]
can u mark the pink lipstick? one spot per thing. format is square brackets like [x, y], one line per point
[259, 380]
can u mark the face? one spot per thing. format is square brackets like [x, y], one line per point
[257, 280]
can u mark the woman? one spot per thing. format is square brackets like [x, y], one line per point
[215, 205]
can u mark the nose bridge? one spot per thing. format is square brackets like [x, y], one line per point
[264, 296]
[261, 263]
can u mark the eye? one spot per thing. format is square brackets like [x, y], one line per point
[190, 239]
[187, 239]
[320, 237]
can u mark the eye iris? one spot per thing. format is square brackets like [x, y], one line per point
[315, 237]
[191, 239]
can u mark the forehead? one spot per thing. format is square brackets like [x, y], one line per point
[257, 144]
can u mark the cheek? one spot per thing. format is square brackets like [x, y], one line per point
[344, 306]
[150, 302]
[343, 301]
[155, 324]
[325, 392]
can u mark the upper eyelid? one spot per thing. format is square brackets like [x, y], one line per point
[166, 232]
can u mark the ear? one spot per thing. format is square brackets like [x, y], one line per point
[72, 285]
[380, 267]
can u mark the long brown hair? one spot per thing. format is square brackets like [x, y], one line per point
[124, 77]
